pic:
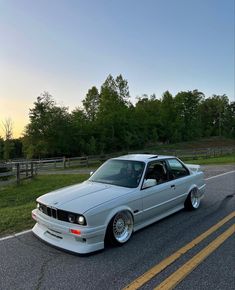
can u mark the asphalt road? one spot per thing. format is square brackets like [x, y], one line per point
[27, 263]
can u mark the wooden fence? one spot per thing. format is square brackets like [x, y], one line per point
[17, 171]
[22, 169]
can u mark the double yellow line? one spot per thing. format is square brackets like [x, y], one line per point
[188, 267]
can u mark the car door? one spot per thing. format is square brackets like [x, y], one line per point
[157, 197]
[180, 176]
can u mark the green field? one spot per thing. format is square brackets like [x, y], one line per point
[16, 202]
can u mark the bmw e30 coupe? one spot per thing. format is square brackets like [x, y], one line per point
[122, 196]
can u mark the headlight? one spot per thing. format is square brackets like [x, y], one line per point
[80, 220]
[38, 205]
[71, 218]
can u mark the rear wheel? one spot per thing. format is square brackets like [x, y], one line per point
[120, 228]
[193, 200]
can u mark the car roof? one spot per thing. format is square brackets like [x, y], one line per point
[142, 157]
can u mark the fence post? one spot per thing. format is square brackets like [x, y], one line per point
[26, 169]
[31, 169]
[17, 173]
[64, 162]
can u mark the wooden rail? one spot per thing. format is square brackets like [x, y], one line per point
[22, 169]
[17, 171]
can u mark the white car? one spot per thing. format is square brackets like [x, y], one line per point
[124, 195]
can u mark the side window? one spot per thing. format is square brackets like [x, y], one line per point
[157, 173]
[177, 169]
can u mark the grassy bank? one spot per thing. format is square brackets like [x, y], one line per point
[16, 202]
[228, 159]
[212, 142]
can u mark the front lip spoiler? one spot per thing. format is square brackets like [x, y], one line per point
[70, 252]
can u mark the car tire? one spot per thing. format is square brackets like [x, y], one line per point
[193, 200]
[120, 228]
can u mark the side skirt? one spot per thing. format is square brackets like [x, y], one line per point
[157, 218]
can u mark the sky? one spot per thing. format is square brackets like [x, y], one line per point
[67, 46]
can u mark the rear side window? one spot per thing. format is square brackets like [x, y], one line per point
[177, 169]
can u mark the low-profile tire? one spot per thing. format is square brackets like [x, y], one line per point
[193, 200]
[120, 228]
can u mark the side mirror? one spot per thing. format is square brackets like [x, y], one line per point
[149, 183]
[91, 173]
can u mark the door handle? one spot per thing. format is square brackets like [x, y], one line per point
[172, 186]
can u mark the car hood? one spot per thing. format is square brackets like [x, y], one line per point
[81, 197]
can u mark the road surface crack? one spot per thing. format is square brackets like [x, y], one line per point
[42, 273]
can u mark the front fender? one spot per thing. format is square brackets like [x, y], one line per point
[113, 212]
[193, 186]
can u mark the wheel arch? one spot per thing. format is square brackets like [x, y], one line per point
[113, 212]
[193, 186]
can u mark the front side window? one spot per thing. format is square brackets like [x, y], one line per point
[119, 172]
[156, 172]
[177, 168]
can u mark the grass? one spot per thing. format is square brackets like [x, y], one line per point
[212, 142]
[17, 202]
[227, 159]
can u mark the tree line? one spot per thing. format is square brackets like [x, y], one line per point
[109, 122]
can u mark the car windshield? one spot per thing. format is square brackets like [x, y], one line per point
[124, 173]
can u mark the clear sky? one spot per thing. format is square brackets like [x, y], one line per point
[67, 46]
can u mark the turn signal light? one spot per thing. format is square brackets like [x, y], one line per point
[75, 232]
[34, 216]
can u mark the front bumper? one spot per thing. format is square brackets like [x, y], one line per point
[57, 233]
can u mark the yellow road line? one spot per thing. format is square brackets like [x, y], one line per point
[140, 281]
[189, 266]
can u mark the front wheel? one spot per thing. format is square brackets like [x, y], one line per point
[120, 228]
[193, 200]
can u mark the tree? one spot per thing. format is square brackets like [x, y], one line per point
[8, 128]
[147, 117]
[112, 115]
[187, 106]
[215, 113]
[80, 132]
[1, 147]
[49, 130]
[91, 103]
[8, 133]
[169, 132]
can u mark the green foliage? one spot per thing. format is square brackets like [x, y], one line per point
[1, 148]
[108, 122]
[91, 103]
[49, 130]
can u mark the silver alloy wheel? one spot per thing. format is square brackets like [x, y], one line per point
[122, 226]
[195, 198]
